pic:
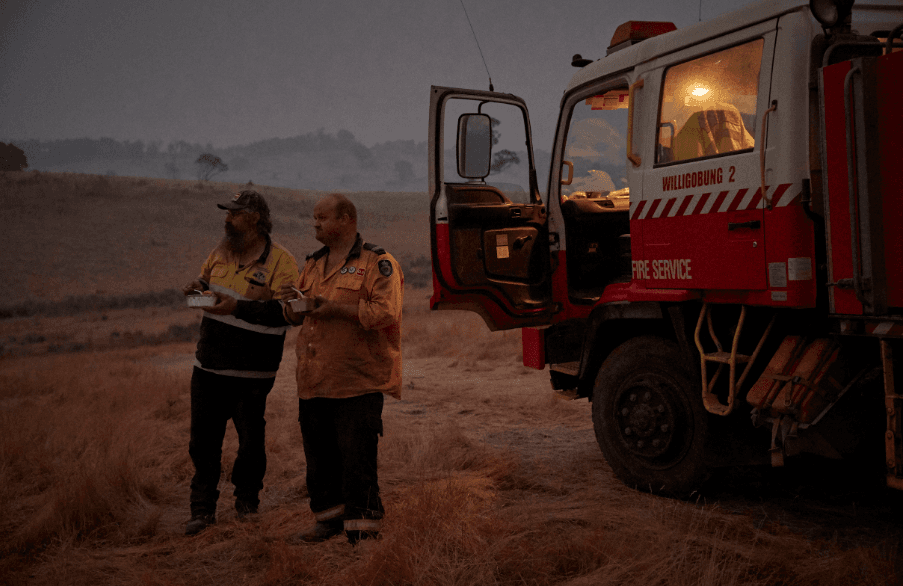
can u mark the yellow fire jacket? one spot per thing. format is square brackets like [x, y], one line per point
[338, 358]
[249, 343]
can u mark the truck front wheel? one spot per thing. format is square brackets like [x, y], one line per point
[649, 419]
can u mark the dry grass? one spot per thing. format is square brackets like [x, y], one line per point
[72, 235]
[75, 452]
[453, 334]
[95, 473]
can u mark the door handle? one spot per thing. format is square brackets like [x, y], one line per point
[515, 212]
[519, 242]
[774, 106]
[570, 178]
[752, 224]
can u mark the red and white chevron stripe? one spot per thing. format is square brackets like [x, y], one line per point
[711, 203]
[884, 328]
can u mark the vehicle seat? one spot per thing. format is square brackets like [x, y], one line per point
[716, 129]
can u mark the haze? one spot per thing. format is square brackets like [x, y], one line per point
[230, 73]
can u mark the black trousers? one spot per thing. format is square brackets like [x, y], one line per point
[215, 399]
[341, 437]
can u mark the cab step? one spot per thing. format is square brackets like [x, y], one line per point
[570, 368]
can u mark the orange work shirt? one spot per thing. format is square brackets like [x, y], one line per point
[339, 358]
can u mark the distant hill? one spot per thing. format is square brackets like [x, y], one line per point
[313, 161]
[317, 161]
[68, 234]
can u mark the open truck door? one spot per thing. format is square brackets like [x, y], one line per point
[489, 225]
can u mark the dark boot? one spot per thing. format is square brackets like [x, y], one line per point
[321, 531]
[359, 529]
[355, 536]
[198, 523]
[246, 511]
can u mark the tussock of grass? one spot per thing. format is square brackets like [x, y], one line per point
[446, 533]
[442, 448]
[76, 453]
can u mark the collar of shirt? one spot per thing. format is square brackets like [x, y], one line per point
[321, 255]
[261, 260]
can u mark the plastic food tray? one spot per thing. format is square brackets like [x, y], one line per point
[302, 305]
[201, 300]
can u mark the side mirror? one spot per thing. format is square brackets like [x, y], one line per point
[474, 146]
[830, 12]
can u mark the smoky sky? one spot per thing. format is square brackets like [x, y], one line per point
[227, 72]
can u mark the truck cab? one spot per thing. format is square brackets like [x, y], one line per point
[706, 184]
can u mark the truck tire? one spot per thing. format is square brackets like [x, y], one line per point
[649, 418]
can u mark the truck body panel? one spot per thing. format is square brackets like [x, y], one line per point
[718, 233]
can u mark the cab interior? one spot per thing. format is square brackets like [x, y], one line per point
[595, 201]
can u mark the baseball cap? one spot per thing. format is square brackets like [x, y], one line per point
[246, 200]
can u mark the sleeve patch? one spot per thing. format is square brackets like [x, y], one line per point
[385, 268]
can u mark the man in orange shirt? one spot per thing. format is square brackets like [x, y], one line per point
[349, 357]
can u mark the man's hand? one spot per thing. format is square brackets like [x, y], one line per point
[332, 310]
[225, 305]
[293, 315]
[287, 292]
[190, 288]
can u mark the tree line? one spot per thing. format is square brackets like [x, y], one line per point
[49, 153]
[335, 158]
[12, 158]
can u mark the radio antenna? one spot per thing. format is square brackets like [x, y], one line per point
[700, 10]
[478, 46]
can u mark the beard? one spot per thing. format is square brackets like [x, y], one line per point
[234, 240]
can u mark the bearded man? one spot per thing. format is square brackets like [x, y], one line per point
[237, 356]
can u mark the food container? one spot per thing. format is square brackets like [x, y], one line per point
[302, 305]
[201, 300]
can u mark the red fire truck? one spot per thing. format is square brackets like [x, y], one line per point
[714, 263]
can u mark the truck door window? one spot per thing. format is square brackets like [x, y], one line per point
[708, 105]
[509, 169]
[596, 143]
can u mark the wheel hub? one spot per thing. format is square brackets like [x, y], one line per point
[646, 418]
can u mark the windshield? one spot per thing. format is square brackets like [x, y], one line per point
[596, 146]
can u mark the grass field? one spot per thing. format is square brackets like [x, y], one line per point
[73, 235]
[488, 478]
[487, 475]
